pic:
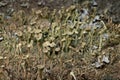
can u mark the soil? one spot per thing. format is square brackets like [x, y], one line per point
[112, 6]
[108, 72]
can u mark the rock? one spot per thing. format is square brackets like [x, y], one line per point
[105, 59]
[25, 5]
[1, 39]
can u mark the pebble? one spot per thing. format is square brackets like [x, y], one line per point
[84, 15]
[105, 59]
[1, 38]
[25, 5]
[41, 3]
[94, 3]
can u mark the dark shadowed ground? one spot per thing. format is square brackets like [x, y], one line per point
[112, 7]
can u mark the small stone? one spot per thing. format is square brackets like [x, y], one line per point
[25, 5]
[105, 36]
[94, 4]
[1, 38]
[95, 47]
[84, 15]
[97, 64]
[105, 59]
[41, 3]
[96, 19]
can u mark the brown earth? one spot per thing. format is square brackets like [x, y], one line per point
[63, 67]
[111, 6]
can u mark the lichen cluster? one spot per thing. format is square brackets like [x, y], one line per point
[55, 34]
